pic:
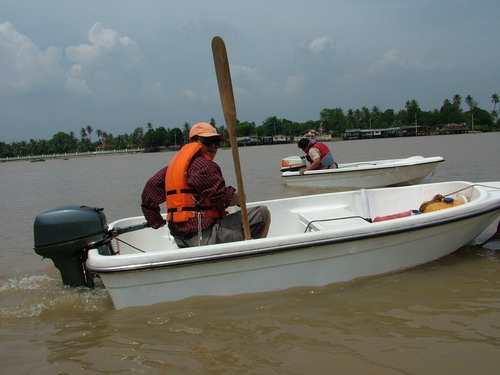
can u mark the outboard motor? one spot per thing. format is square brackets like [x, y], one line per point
[65, 234]
[293, 163]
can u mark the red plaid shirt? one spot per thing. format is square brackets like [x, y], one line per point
[205, 177]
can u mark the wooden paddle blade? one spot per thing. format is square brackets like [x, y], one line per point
[225, 84]
[229, 108]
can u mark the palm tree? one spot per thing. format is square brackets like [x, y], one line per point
[472, 105]
[350, 117]
[185, 130]
[495, 100]
[469, 100]
[89, 131]
[83, 133]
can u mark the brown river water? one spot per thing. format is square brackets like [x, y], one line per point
[439, 318]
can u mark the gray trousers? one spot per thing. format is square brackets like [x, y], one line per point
[229, 228]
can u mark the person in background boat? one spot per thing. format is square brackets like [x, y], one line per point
[318, 155]
[197, 215]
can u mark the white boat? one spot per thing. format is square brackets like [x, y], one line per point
[313, 241]
[365, 174]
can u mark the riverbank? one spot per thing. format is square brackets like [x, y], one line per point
[66, 155]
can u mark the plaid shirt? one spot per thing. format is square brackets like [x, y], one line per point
[205, 177]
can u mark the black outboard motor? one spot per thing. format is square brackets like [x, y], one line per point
[65, 234]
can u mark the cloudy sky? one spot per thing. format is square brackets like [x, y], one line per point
[118, 64]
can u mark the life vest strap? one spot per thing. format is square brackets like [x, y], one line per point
[197, 208]
[181, 191]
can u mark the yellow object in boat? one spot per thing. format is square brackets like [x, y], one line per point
[439, 202]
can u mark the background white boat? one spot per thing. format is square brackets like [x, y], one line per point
[367, 174]
[313, 241]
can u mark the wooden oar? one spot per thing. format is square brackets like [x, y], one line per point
[229, 108]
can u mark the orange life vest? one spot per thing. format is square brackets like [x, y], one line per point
[182, 203]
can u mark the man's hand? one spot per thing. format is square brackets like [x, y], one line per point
[158, 224]
[235, 201]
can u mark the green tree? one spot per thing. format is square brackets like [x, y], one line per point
[472, 103]
[495, 100]
[457, 101]
[450, 112]
[62, 142]
[185, 130]
[89, 132]
[412, 112]
[245, 129]
[271, 126]
[178, 137]
[137, 137]
[150, 140]
[99, 134]
[333, 120]
[83, 134]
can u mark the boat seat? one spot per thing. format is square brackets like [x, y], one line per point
[329, 218]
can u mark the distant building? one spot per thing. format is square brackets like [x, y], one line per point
[401, 131]
[280, 138]
[452, 128]
[103, 146]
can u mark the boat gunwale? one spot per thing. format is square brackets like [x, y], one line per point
[371, 167]
[284, 248]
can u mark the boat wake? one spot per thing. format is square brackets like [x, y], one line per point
[36, 295]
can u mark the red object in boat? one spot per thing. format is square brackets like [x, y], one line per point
[396, 216]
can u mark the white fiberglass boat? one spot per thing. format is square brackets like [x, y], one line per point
[365, 174]
[313, 241]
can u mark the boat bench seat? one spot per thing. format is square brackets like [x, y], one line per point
[329, 218]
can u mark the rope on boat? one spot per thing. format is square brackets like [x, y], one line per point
[370, 220]
[471, 186]
[337, 218]
[118, 240]
[408, 181]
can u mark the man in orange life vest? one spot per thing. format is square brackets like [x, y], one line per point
[318, 155]
[197, 196]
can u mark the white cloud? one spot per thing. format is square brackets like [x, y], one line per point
[98, 67]
[23, 65]
[107, 66]
[320, 44]
[190, 94]
[393, 59]
[292, 84]
[153, 92]
[105, 43]
[203, 94]
[75, 84]
[243, 71]
[156, 61]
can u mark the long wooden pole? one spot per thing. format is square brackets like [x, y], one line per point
[229, 108]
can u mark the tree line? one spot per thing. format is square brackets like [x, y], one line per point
[335, 121]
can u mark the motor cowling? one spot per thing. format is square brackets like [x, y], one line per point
[293, 163]
[65, 234]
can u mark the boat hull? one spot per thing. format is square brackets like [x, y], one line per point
[312, 265]
[313, 241]
[368, 175]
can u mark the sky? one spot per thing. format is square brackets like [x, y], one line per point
[118, 64]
